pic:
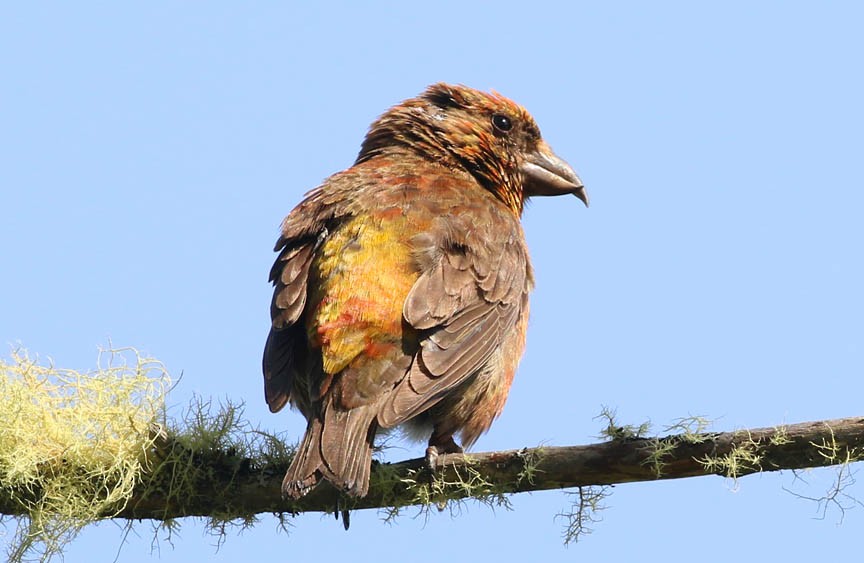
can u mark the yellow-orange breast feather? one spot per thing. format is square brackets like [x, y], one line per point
[358, 286]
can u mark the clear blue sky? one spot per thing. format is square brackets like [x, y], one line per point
[148, 154]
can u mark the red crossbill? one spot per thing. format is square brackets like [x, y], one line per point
[401, 285]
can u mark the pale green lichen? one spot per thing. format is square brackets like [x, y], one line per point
[743, 458]
[658, 450]
[73, 445]
[780, 436]
[530, 462]
[615, 431]
[443, 491]
[690, 430]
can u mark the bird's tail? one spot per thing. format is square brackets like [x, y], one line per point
[338, 447]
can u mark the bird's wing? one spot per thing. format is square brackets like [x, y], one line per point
[285, 350]
[302, 233]
[472, 289]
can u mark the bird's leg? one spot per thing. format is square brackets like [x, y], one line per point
[440, 444]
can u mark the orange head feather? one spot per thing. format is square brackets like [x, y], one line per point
[491, 137]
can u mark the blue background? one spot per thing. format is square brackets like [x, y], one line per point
[148, 153]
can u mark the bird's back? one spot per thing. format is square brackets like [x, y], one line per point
[364, 268]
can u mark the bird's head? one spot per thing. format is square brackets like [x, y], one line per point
[495, 139]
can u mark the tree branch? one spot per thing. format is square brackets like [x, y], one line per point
[230, 486]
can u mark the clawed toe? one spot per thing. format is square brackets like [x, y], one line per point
[440, 446]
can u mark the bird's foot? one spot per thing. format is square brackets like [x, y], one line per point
[440, 446]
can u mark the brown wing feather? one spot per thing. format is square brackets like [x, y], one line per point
[282, 356]
[465, 310]
[290, 273]
[286, 350]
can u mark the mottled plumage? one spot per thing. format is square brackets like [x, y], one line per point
[401, 286]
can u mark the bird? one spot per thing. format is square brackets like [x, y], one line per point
[401, 284]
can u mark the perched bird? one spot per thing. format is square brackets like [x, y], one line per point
[401, 285]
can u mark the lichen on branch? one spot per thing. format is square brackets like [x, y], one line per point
[73, 445]
[78, 447]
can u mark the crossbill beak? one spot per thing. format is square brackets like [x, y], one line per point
[545, 173]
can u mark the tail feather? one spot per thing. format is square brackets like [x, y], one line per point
[346, 447]
[338, 447]
[305, 469]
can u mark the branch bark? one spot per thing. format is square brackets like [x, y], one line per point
[235, 487]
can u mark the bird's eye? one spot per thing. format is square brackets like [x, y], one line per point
[502, 123]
